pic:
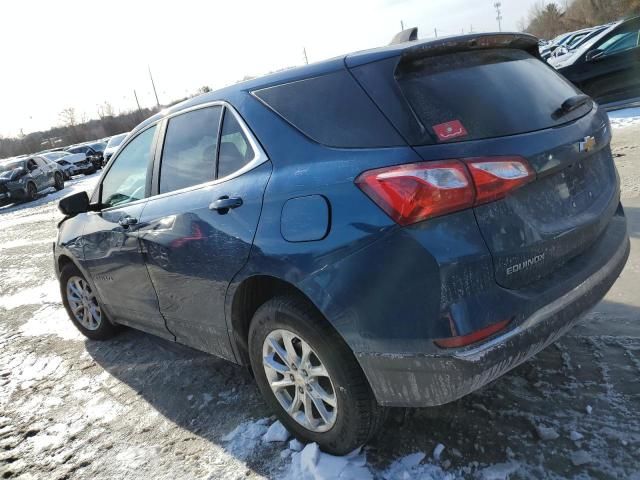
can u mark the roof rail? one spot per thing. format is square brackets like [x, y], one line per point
[407, 35]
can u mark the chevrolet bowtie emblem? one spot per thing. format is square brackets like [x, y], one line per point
[587, 144]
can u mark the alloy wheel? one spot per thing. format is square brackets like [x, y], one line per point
[299, 380]
[83, 303]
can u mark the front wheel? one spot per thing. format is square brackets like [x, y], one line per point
[83, 306]
[32, 192]
[310, 378]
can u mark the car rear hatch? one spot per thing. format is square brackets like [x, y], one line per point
[490, 97]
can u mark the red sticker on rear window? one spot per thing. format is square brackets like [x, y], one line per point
[449, 130]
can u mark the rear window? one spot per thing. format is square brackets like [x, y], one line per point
[489, 93]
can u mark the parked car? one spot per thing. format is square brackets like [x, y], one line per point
[24, 178]
[72, 163]
[547, 50]
[385, 228]
[94, 156]
[608, 66]
[575, 44]
[112, 146]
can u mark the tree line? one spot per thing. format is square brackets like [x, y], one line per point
[548, 19]
[75, 128]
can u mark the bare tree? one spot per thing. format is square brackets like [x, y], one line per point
[68, 117]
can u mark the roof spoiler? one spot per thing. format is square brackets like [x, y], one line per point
[475, 41]
[407, 35]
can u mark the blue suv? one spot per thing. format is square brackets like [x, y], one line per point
[394, 227]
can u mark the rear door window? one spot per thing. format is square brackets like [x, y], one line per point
[485, 94]
[189, 152]
[235, 149]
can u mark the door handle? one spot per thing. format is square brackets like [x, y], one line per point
[223, 204]
[127, 221]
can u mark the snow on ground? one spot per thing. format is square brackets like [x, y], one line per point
[625, 117]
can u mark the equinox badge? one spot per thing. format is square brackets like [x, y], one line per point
[525, 264]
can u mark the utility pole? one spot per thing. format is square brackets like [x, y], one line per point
[401, 25]
[435, 31]
[499, 16]
[137, 102]
[154, 87]
[304, 51]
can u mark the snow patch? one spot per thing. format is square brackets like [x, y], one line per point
[48, 292]
[580, 457]
[625, 117]
[410, 467]
[546, 433]
[312, 464]
[575, 436]
[243, 439]
[499, 471]
[51, 320]
[276, 433]
[438, 451]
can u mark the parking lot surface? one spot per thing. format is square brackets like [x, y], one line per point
[141, 407]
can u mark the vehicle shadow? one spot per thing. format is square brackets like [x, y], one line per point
[198, 392]
[209, 397]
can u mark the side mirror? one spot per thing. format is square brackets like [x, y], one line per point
[74, 204]
[592, 55]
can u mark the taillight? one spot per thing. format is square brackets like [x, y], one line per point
[495, 177]
[415, 192]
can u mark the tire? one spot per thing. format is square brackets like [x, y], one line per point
[65, 176]
[32, 192]
[94, 329]
[58, 182]
[356, 417]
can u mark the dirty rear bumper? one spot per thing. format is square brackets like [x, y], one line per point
[428, 379]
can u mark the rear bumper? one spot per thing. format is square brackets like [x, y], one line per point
[428, 379]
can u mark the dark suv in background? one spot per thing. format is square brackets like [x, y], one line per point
[395, 227]
[24, 178]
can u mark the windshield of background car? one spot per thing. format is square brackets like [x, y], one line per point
[117, 140]
[7, 168]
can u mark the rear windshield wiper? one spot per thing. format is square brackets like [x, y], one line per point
[571, 104]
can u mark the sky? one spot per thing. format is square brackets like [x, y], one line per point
[58, 54]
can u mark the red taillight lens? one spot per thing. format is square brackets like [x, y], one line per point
[414, 192]
[473, 337]
[418, 191]
[494, 177]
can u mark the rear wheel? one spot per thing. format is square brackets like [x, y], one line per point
[58, 182]
[310, 378]
[83, 306]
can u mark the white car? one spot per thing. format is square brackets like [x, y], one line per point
[112, 146]
[71, 163]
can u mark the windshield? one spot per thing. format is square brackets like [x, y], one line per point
[55, 155]
[6, 169]
[117, 140]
